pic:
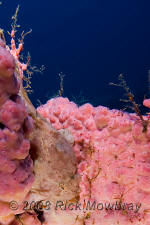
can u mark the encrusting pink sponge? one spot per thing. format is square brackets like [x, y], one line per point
[16, 167]
[113, 156]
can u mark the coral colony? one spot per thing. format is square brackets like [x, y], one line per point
[67, 165]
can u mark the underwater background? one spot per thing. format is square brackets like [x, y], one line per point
[90, 41]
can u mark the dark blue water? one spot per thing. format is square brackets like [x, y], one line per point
[90, 41]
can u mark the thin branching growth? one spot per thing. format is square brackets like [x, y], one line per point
[14, 24]
[61, 90]
[80, 99]
[29, 73]
[2, 35]
[131, 100]
[29, 70]
[39, 103]
[23, 34]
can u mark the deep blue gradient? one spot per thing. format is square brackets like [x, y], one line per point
[91, 41]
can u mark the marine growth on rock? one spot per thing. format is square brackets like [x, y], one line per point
[61, 164]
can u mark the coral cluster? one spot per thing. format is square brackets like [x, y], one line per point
[113, 156]
[94, 160]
